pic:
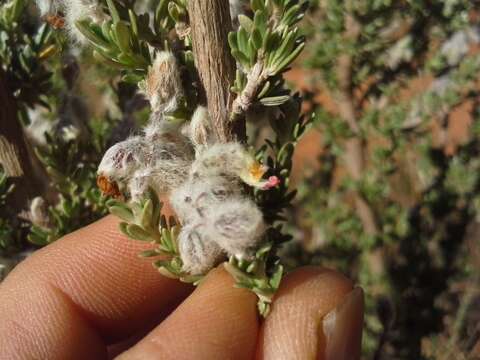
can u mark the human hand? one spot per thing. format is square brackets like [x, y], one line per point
[88, 296]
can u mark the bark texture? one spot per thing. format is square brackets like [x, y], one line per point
[210, 24]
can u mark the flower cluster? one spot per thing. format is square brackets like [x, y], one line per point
[203, 177]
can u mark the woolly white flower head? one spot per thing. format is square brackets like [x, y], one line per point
[237, 226]
[234, 161]
[161, 161]
[123, 158]
[39, 215]
[47, 6]
[159, 125]
[215, 216]
[195, 197]
[199, 128]
[163, 85]
[74, 11]
[199, 253]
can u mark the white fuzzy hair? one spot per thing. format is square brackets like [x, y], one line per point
[74, 11]
[237, 225]
[161, 162]
[205, 185]
[199, 129]
[228, 159]
[163, 85]
[159, 125]
[215, 207]
[196, 197]
[47, 6]
[124, 158]
[236, 8]
[198, 252]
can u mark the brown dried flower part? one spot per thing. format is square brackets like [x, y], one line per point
[54, 20]
[163, 85]
[109, 188]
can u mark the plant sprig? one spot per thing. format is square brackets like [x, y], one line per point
[23, 53]
[143, 221]
[121, 43]
[264, 46]
[262, 273]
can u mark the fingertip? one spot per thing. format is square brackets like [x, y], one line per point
[294, 328]
[218, 321]
[99, 270]
[342, 328]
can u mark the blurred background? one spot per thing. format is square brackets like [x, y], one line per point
[388, 177]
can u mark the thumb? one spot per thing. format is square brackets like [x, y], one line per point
[316, 314]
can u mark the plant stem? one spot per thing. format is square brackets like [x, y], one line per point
[355, 146]
[255, 80]
[210, 23]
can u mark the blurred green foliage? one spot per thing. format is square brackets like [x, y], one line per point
[423, 195]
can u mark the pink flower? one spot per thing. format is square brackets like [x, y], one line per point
[272, 182]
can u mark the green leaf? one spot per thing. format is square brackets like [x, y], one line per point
[133, 22]
[260, 21]
[241, 58]
[274, 100]
[113, 11]
[137, 233]
[167, 273]
[284, 49]
[98, 55]
[264, 90]
[246, 23]
[257, 5]
[278, 68]
[256, 38]
[146, 215]
[149, 253]
[232, 41]
[106, 26]
[276, 278]
[242, 41]
[292, 15]
[83, 27]
[122, 34]
[123, 228]
[132, 78]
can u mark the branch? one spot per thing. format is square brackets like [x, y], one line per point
[210, 24]
[13, 150]
[355, 148]
[255, 80]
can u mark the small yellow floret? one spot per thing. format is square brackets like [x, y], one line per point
[257, 170]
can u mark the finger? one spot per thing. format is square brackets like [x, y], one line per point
[316, 314]
[217, 321]
[91, 282]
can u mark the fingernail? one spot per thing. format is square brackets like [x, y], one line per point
[342, 328]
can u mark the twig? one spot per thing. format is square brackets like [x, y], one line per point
[255, 80]
[355, 147]
[210, 23]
